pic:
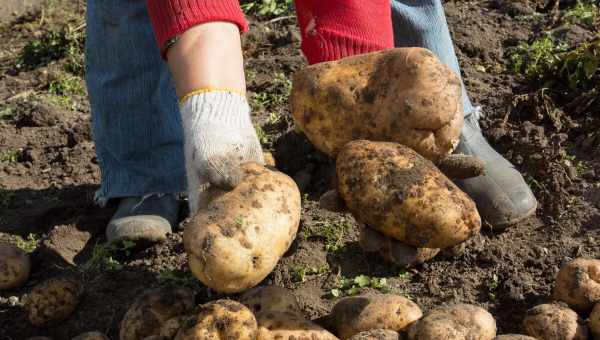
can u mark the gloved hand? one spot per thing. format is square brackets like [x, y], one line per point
[219, 136]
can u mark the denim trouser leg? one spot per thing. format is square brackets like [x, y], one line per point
[135, 116]
[422, 23]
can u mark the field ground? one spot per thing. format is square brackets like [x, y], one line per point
[530, 64]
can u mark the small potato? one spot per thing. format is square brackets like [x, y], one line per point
[513, 337]
[594, 322]
[153, 309]
[53, 301]
[553, 321]
[578, 284]
[270, 299]
[94, 335]
[287, 325]
[237, 240]
[356, 314]
[456, 322]
[220, 320]
[394, 251]
[403, 95]
[376, 334]
[14, 266]
[395, 191]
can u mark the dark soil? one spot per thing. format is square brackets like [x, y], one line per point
[49, 182]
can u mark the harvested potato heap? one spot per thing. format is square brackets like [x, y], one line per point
[14, 266]
[456, 322]
[53, 301]
[556, 322]
[237, 240]
[403, 95]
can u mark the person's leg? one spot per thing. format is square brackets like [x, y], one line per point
[501, 195]
[135, 120]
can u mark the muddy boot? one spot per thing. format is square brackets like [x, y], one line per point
[144, 219]
[501, 194]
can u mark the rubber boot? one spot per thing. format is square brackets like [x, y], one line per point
[501, 194]
[144, 220]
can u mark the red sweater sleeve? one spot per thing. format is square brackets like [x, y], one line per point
[334, 29]
[171, 18]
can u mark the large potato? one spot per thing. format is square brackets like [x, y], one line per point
[578, 284]
[356, 314]
[456, 322]
[236, 241]
[403, 95]
[376, 334]
[394, 251]
[553, 321]
[220, 320]
[594, 322]
[152, 309]
[270, 299]
[53, 301]
[394, 190]
[287, 325]
[14, 266]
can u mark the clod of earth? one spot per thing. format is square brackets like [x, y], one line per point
[376, 334]
[237, 240]
[456, 322]
[553, 321]
[53, 301]
[403, 95]
[578, 284]
[394, 190]
[287, 325]
[15, 266]
[220, 320]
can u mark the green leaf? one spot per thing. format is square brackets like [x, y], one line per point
[336, 292]
[362, 281]
[353, 291]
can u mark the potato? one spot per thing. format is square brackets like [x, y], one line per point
[394, 251]
[376, 334]
[456, 322]
[14, 266]
[94, 335]
[152, 309]
[237, 240]
[513, 337]
[594, 322]
[53, 301]
[172, 326]
[221, 319]
[288, 325]
[270, 299]
[395, 191]
[356, 314]
[403, 95]
[578, 284]
[556, 322]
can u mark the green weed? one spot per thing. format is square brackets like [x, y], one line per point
[534, 60]
[263, 138]
[177, 279]
[584, 12]
[67, 85]
[7, 113]
[28, 244]
[492, 287]
[103, 256]
[331, 232]
[54, 45]
[349, 287]
[299, 274]
[267, 8]
[11, 156]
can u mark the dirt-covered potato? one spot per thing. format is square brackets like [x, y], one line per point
[152, 309]
[394, 251]
[456, 322]
[53, 301]
[14, 266]
[220, 320]
[556, 322]
[288, 325]
[237, 240]
[397, 192]
[356, 314]
[270, 299]
[94, 335]
[594, 322]
[377, 334]
[172, 326]
[403, 95]
[578, 284]
[513, 337]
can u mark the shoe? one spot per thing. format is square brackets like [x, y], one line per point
[146, 219]
[501, 194]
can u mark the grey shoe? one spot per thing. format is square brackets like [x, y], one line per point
[501, 194]
[145, 219]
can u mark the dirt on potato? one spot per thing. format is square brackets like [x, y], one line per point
[49, 172]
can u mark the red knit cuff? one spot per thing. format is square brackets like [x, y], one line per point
[335, 29]
[171, 18]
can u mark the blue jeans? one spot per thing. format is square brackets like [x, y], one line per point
[135, 115]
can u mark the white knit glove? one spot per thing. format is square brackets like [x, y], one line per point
[219, 136]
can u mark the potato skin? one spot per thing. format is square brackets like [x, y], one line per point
[394, 251]
[53, 301]
[270, 299]
[94, 335]
[15, 266]
[356, 314]
[513, 337]
[456, 322]
[237, 240]
[221, 319]
[397, 192]
[578, 284]
[594, 322]
[376, 334]
[403, 95]
[287, 325]
[556, 322]
[152, 309]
